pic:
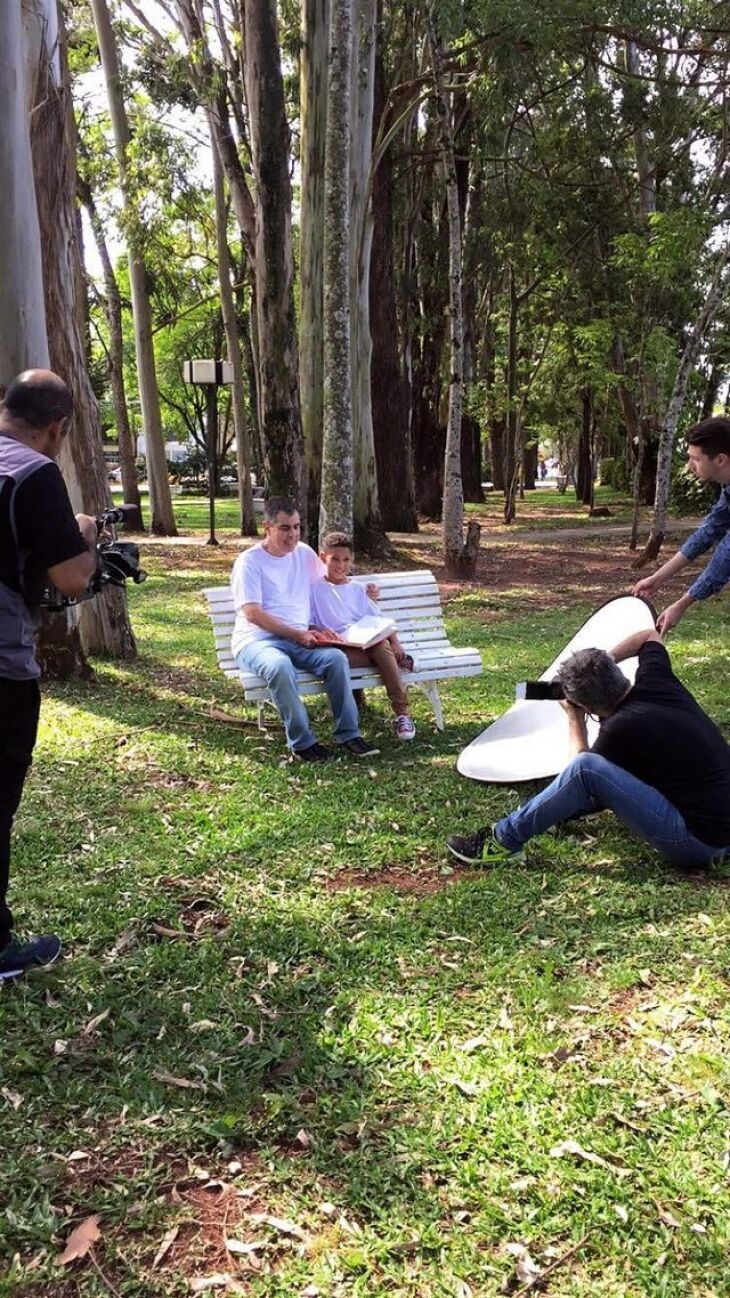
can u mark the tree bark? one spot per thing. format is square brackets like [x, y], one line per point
[366, 502]
[391, 421]
[103, 623]
[281, 428]
[233, 345]
[337, 498]
[162, 519]
[459, 559]
[315, 20]
[113, 312]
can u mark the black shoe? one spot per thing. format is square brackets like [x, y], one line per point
[361, 748]
[315, 753]
[482, 848]
[17, 957]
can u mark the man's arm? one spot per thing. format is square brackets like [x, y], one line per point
[649, 585]
[577, 732]
[629, 647]
[73, 575]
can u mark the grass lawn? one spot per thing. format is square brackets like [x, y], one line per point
[292, 1052]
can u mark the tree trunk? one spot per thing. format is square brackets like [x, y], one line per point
[23, 337]
[281, 428]
[391, 422]
[162, 519]
[336, 502]
[313, 100]
[529, 466]
[113, 312]
[471, 460]
[511, 433]
[366, 506]
[496, 446]
[459, 559]
[584, 466]
[233, 345]
[103, 623]
[715, 295]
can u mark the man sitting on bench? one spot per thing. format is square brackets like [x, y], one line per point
[272, 636]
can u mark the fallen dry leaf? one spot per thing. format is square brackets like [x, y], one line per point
[183, 1082]
[241, 1248]
[80, 1240]
[14, 1098]
[167, 1242]
[93, 1024]
[571, 1147]
[281, 1224]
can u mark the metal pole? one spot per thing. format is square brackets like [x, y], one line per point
[211, 394]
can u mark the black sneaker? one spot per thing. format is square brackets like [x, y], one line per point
[17, 957]
[361, 748]
[314, 753]
[481, 848]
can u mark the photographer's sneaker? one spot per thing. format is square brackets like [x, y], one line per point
[404, 727]
[482, 848]
[314, 753]
[17, 957]
[360, 747]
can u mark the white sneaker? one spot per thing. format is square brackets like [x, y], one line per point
[404, 727]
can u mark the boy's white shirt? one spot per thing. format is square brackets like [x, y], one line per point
[337, 605]
[281, 585]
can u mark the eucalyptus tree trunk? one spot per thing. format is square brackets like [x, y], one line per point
[281, 428]
[459, 558]
[103, 622]
[391, 422]
[715, 295]
[113, 313]
[23, 337]
[336, 502]
[315, 20]
[233, 344]
[367, 518]
[162, 520]
[511, 445]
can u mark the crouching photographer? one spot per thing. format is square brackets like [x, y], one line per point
[41, 541]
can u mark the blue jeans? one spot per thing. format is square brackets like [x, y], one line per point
[277, 660]
[591, 783]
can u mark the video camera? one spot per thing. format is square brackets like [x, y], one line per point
[116, 561]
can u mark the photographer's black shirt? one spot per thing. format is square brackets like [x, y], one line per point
[661, 735]
[37, 531]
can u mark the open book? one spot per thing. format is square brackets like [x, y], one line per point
[367, 631]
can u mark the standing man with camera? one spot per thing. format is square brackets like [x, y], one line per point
[40, 540]
[708, 458]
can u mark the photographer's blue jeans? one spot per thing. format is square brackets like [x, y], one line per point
[277, 661]
[591, 783]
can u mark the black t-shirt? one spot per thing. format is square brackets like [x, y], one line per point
[37, 531]
[661, 735]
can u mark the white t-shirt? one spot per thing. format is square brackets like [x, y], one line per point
[338, 606]
[279, 584]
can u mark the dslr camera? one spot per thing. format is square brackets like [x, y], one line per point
[116, 562]
[534, 690]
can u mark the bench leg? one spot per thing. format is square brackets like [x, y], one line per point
[430, 689]
[261, 706]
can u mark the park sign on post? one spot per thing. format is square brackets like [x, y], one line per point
[209, 375]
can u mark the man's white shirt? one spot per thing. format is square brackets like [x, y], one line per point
[280, 585]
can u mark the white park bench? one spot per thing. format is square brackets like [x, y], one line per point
[411, 598]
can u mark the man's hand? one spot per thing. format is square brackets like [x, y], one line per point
[670, 616]
[578, 733]
[372, 590]
[324, 635]
[647, 586]
[574, 710]
[88, 529]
